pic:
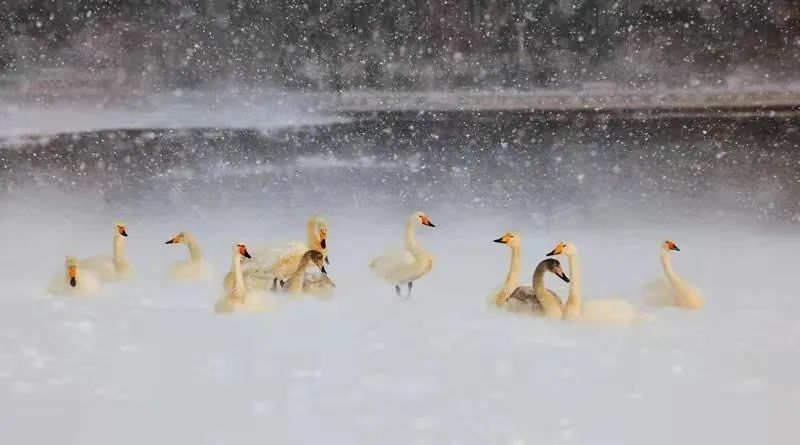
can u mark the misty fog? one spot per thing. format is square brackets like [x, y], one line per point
[612, 125]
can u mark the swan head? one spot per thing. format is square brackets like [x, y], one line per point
[563, 248]
[423, 219]
[72, 271]
[242, 249]
[669, 245]
[121, 229]
[318, 226]
[510, 238]
[554, 266]
[318, 258]
[178, 239]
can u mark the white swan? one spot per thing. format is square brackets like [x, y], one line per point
[278, 263]
[114, 267]
[238, 298]
[302, 282]
[606, 311]
[75, 282]
[501, 296]
[408, 264]
[672, 290]
[195, 268]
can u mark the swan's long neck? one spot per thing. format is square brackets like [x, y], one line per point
[296, 280]
[194, 250]
[119, 252]
[513, 270]
[575, 291]
[538, 280]
[669, 272]
[551, 306]
[312, 234]
[411, 239]
[236, 267]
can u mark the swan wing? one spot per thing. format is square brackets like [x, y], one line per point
[101, 265]
[522, 300]
[275, 261]
[393, 266]
[661, 293]
[190, 270]
[523, 293]
[317, 284]
[498, 296]
[615, 311]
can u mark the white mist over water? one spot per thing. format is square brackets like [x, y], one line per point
[147, 361]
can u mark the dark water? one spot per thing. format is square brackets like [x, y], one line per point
[599, 171]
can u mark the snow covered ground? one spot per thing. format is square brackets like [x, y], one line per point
[147, 362]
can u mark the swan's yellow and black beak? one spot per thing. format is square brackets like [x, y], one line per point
[502, 240]
[672, 246]
[172, 241]
[243, 251]
[72, 272]
[558, 250]
[426, 221]
[122, 230]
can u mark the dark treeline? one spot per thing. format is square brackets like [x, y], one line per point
[406, 44]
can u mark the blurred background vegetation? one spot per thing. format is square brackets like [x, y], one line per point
[331, 45]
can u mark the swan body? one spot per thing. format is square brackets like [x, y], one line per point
[672, 290]
[114, 267]
[301, 282]
[75, 282]
[408, 264]
[195, 268]
[277, 263]
[605, 311]
[238, 298]
[525, 298]
[537, 297]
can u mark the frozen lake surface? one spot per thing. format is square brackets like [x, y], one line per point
[147, 361]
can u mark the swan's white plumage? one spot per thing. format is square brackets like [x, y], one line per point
[610, 311]
[86, 282]
[408, 264]
[523, 298]
[114, 267]
[196, 268]
[239, 298]
[399, 266]
[281, 261]
[672, 290]
[190, 270]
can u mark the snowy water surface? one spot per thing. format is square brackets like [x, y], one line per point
[147, 361]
